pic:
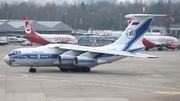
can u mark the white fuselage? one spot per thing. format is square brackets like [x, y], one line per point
[37, 57]
[59, 38]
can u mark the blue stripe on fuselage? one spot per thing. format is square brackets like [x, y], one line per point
[34, 56]
[139, 32]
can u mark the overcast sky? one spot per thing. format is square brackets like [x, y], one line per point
[72, 1]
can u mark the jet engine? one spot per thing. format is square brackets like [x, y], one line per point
[65, 59]
[84, 61]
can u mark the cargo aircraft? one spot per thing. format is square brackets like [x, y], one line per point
[44, 39]
[70, 57]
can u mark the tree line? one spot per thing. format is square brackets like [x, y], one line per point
[100, 15]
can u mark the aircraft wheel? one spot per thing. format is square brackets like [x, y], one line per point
[86, 69]
[32, 70]
[146, 49]
[63, 70]
[159, 48]
[77, 70]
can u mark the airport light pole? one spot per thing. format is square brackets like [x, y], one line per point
[7, 16]
[75, 16]
[48, 15]
[92, 13]
[120, 22]
[66, 17]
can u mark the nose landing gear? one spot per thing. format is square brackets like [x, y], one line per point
[32, 70]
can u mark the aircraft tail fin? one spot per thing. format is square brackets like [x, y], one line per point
[27, 26]
[131, 39]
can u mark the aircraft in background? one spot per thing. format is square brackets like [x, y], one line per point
[70, 57]
[160, 42]
[44, 39]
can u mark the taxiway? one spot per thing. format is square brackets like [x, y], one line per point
[129, 79]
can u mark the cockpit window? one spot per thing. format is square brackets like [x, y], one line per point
[15, 52]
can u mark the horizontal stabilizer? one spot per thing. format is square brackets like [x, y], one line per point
[146, 15]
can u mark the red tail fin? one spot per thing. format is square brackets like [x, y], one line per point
[27, 26]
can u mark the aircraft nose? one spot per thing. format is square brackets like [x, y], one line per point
[6, 59]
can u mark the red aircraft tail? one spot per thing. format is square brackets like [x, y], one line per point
[28, 29]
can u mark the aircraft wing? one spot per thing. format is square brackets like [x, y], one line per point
[104, 51]
[20, 35]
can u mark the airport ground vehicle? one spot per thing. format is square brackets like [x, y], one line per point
[27, 43]
[4, 40]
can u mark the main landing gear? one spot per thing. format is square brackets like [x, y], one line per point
[160, 48]
[146, 49]
[77, 69]
[32, 70]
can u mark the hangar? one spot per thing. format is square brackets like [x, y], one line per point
[44, 27]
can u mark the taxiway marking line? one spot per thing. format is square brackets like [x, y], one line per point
[167, 93]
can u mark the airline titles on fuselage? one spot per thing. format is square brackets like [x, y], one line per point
[166, 40]
[37, 52]
[61, 39]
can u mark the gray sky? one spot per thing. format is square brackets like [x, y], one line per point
[72, 1]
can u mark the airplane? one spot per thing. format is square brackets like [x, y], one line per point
[68, 57]
[167, 42]
[44, 39]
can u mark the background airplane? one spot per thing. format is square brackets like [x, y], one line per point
[69, 57]
[160, 42]
[44, 39]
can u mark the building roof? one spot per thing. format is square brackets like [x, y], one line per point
[10, 26]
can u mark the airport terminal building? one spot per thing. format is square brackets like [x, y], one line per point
[174, 30]
[42, 27]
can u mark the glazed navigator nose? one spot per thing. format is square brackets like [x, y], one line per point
[6, 59]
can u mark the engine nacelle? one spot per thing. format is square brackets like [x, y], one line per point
[84, 61]
[65, 59]
[172, 46]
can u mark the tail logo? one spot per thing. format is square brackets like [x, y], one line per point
[27, 27]
[130, 33]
